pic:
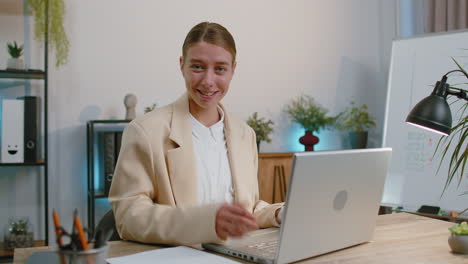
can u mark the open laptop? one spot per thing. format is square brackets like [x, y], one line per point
[332, 203]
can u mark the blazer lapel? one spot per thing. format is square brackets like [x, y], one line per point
[234, 142]
[181, 160]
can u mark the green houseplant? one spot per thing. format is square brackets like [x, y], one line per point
[263, 128]
[150, 108]
[15, 51]
[51, 26]
[454, 148]
[458, 239]
[18, 233]
[457, 140]
[357, 121]
[311, 116]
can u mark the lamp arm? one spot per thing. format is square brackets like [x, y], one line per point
[466, 75]
[460, 93]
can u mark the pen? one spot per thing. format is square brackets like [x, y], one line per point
[58, 231]
[79, 229]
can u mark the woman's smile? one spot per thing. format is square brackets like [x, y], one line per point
[207, 94]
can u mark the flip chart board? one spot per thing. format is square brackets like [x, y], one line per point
[416, 64]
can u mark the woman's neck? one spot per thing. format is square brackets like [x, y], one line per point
[207, 117]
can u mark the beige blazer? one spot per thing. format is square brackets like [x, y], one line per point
[154, 189]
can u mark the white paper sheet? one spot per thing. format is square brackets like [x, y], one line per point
[175, 255]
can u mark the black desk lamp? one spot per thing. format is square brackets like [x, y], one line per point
[433, 112]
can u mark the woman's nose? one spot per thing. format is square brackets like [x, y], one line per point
[208, 78]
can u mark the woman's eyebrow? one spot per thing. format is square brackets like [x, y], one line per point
[201, 61]
[195, 60]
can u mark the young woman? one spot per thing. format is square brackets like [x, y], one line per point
[187, 172]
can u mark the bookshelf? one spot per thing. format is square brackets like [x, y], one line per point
[34, 172]
[98, 134]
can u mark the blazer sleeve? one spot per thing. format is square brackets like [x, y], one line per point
[263, 211]
[133, 198]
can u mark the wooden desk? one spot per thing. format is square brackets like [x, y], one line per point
[398, 238]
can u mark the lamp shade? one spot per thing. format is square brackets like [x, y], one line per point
[433, 113]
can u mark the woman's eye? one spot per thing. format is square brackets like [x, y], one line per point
[221, 69]
[196, 67]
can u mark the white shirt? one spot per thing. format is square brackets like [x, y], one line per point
[211, 158]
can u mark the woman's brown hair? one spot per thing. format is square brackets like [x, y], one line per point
[212, 33]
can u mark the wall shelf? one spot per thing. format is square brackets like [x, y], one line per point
[29, 74]
[40, 163]
[8, 254]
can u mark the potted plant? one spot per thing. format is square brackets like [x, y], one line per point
[311, 116]
[357, 121]
[150, 108]
[262, 127]
[458, 239]
[458, 138]
[18, 234]
[15, 51]
[55, 32]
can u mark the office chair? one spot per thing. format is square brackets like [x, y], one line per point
[107, 227]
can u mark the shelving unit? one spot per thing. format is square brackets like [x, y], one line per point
[42, 162]
[39, 163]
[29, 74]
[95, 166]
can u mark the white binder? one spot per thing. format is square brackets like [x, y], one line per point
[12, 131]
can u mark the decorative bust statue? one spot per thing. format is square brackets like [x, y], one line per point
[130, 102]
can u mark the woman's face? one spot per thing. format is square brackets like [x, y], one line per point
[207, 70]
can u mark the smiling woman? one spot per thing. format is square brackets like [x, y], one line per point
[187, 172]
[208, 70]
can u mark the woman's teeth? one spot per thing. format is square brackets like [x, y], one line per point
[207, 94]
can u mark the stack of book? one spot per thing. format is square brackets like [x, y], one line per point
[111, 142]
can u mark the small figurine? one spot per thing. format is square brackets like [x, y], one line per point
[130, 102]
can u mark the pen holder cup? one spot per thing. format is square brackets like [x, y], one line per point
[91, 256]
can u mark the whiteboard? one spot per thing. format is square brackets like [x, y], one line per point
[416, 64]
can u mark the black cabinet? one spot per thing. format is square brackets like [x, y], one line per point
[103, 145]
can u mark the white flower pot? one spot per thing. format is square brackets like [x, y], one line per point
[458, 243]
[15, 64]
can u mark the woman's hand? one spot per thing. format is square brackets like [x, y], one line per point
[232, 220]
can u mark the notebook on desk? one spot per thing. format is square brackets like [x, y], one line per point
[332, 203]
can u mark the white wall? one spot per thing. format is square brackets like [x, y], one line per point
[335, 51]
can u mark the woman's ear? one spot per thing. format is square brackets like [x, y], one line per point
[181, 63]
[234, 67]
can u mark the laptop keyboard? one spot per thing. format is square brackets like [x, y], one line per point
[266, 249]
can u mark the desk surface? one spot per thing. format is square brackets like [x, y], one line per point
[398, 238]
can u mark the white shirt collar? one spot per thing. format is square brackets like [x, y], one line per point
[202, 132]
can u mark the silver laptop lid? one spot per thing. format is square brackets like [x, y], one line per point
[332, 201]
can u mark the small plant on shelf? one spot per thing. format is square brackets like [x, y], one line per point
[355, 118]
[262, 127]
[18, 234]
[310, 115]
[357, 121]
[15, 51]
[150, 108]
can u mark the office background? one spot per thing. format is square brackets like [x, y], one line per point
[335, 51]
